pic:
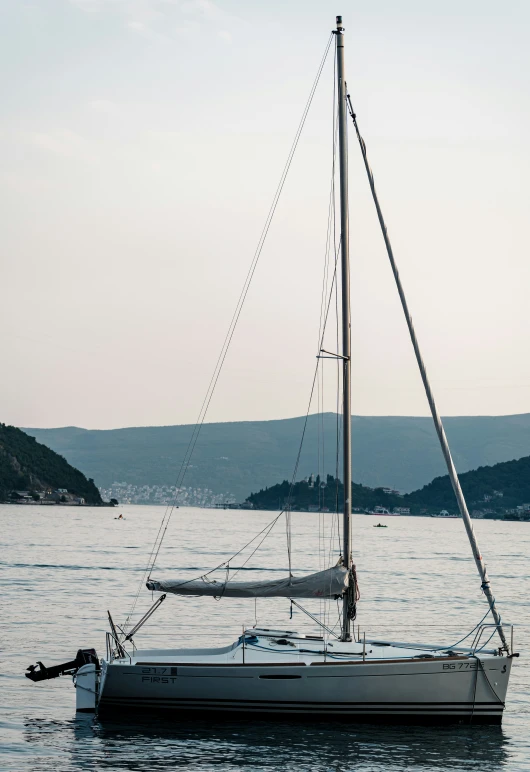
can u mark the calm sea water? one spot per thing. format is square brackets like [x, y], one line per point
[62, 568]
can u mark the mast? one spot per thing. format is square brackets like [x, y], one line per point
[346, 334]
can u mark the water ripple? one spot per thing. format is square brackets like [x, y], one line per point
[61, 572]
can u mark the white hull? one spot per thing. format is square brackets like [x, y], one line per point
[299, 681]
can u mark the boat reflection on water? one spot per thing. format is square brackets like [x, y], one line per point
[159, 743]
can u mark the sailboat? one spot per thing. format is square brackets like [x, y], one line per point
[291, 673]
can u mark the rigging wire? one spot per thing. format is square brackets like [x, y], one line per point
[226, 563]
[287, 510]
[321, 464]
[333, 230]
[228, 338]
[325, 281]
[295, 472]
[315, 375]
[256, 549]
[335, 516]
[246, 285]
[438, 425]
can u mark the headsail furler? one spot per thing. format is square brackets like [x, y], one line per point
[438, 425]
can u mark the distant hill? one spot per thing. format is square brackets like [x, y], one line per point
[314, 493]
[239, 457]
[499, 487]
[27, 465]
[503, 485]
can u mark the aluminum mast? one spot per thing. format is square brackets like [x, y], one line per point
[346, 342]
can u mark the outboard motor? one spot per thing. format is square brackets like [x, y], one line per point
[40, 672]
[84, 669]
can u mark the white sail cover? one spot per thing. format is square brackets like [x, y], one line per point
[330, 583]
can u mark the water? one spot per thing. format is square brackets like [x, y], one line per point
[62, 568]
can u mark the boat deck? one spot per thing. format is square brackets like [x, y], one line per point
[275, 647]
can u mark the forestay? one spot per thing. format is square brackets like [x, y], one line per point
[331, 583]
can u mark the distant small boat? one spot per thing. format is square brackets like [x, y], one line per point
[380, 525]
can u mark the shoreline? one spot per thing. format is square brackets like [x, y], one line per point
[105, 504]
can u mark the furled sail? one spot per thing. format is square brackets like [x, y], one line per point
[331, 583]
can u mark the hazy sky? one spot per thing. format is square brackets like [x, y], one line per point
[141, 142]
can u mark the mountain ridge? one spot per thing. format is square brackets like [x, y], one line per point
[30, 465]
[502, 488]
[401, 452]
